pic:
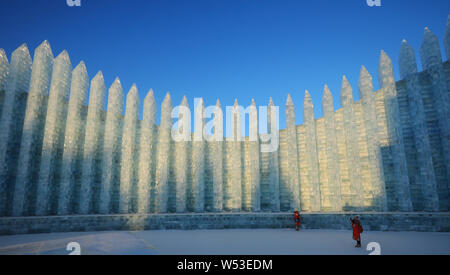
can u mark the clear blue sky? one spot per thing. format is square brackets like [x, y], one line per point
[225, 48]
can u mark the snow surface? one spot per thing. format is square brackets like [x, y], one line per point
[227, 242]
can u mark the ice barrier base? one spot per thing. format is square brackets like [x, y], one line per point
[432, 222]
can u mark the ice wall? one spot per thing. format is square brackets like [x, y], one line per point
[389, 151]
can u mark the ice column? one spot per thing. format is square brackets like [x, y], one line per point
[351, 136]
[432, 62]
[17, 83]
[74, 139]
[53, 145]
[217, 159]
[426, 176]
[181, 153]
[111, 148]
[274, 168]
[146, 155]
[387, 82]
[254, 168]
[334, 178]
[33, 128]
[163, 156]
[235, 160]
[293, 164]
[311, 147]
[128, 172]
[93, 145]
[198, 159]
[373, 145]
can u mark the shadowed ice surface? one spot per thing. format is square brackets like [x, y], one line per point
[227, 242]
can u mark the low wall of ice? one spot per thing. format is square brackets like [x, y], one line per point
[432, 222]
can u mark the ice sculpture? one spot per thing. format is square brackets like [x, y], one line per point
[311, 147]
[430, 53]
[217, 159]
[198, 159]
[146, 153]
[111, 150]
[274, 169]
[33, 129]
[332, 172]
[367, 96]
[163, 156]
[427, 178]
[128, 165]
[181, 153]
[292, 158]
[253, 163]
[11, 122]
[352, 152]
[387, 82]
[93, 145]
[53, 144]
[74, 140]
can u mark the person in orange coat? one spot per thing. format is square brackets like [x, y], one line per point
[357, 230]
[296, 219]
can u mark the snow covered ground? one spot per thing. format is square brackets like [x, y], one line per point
[228, 242]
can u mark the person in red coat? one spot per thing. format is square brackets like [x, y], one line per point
[296, 219]
[357, 230]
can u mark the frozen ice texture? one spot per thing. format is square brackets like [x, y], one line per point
[128, 165]
[181, 159]
[74, 140]
[111, 149]
[93, 145]
[33, 129]
[11, 119]
[147, 148]
[53, 144]
[163, 156]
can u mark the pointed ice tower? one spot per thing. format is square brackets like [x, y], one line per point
[427, 178]
[387, 82]
[33, 129]
[163, 156]
[93, 146]
[311, 147]
[111, 151]
[254, 166]
[198, 160]
[53, 145]
[217, 159]
[293, 161]
[432, 62]
[234, 162]
[365, 85]
[11, 121]
[274, 169]
[146, 155]
[181, 153]
[129, 165]
[74, 139]
[367, 96]
[352, 150]
[334, 178]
